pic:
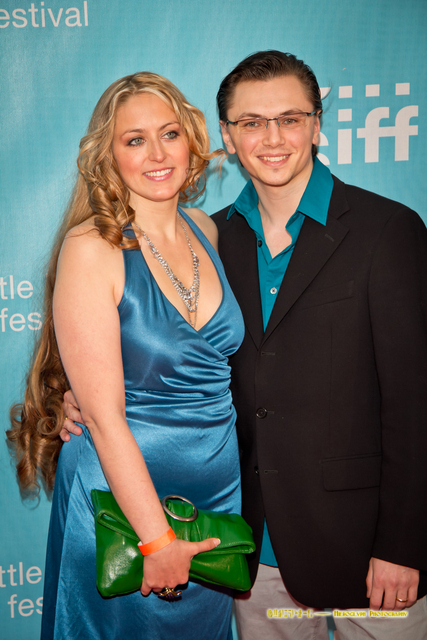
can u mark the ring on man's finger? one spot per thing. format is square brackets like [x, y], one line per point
[400, 600]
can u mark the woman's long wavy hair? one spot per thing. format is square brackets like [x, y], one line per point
[99, 191]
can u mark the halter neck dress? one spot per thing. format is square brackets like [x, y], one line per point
[179, 409]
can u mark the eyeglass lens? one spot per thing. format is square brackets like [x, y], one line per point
[289, 121]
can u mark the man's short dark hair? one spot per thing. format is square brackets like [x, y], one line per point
[266, 65]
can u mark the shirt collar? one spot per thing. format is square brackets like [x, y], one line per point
[314, 202]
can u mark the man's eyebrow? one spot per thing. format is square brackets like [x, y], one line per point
[246, 114]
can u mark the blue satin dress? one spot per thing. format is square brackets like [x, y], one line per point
[179, 409]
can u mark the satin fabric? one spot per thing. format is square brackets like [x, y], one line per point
[179, 409]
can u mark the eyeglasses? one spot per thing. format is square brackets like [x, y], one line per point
[289, 121]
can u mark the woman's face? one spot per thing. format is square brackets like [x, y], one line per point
[151, 149]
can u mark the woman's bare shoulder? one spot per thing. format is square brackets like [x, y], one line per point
[206, 224]
[90, 261]
[84, 250]
[85, 237]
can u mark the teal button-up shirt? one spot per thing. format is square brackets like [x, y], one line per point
[315, 204]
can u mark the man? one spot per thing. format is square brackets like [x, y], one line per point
[330, 384]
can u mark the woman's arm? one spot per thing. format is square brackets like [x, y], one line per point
[89, 285]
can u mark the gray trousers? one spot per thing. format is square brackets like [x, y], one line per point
[268, 612]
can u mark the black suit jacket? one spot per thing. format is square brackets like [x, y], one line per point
[332, 399]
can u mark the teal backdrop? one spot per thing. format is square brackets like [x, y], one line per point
[58, 56]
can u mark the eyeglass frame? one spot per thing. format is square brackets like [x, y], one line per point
[295, 113]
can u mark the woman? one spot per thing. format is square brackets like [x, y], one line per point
[144, 321]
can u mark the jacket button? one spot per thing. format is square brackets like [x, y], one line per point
[261, 412]
[256, 470]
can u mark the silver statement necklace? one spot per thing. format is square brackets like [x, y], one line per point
[190, 296]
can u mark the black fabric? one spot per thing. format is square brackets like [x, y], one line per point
[341, 372]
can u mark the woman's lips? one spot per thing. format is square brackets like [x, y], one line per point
[160, 174]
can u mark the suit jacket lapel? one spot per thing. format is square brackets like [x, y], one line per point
[316, 243]
[238, 251]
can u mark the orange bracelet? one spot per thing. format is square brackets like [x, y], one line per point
[158, 543]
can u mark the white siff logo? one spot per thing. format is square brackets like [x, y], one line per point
[401, 130]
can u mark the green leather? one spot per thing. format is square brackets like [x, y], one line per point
[119, 562]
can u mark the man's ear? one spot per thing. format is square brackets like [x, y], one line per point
[226, 137]
[316, 134]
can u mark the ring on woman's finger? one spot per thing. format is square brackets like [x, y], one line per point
[169, 594]
[400, 600]
[66, 418]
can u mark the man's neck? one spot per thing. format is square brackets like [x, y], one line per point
[276, 206]
[278, 203]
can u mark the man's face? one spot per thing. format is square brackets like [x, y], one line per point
[272, 156]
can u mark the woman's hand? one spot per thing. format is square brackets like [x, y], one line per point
[72, 413]
[169, 566]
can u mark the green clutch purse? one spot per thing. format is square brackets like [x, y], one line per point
[119, 562]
